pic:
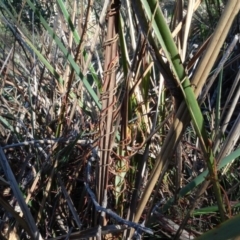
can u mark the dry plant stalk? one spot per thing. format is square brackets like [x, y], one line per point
[108, 100]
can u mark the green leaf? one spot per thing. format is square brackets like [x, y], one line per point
[227, 230]
[201, 177]
[66, 53]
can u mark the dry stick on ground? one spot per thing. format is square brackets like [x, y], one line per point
[91, 233]
[17, 193]
[46, 191]
[22, 222]
[114, 215]
[109, 211]
[83, 142]
[70, 202]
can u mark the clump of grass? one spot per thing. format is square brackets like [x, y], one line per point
[112, 126]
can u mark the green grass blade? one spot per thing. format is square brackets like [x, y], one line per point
[6, 124]
[77, 40]
[226, 230]
[67, 55]
[211, 209]
[183, 81]
[69, 21]
[201, 178]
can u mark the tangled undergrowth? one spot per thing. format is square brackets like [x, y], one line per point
[99, 138]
